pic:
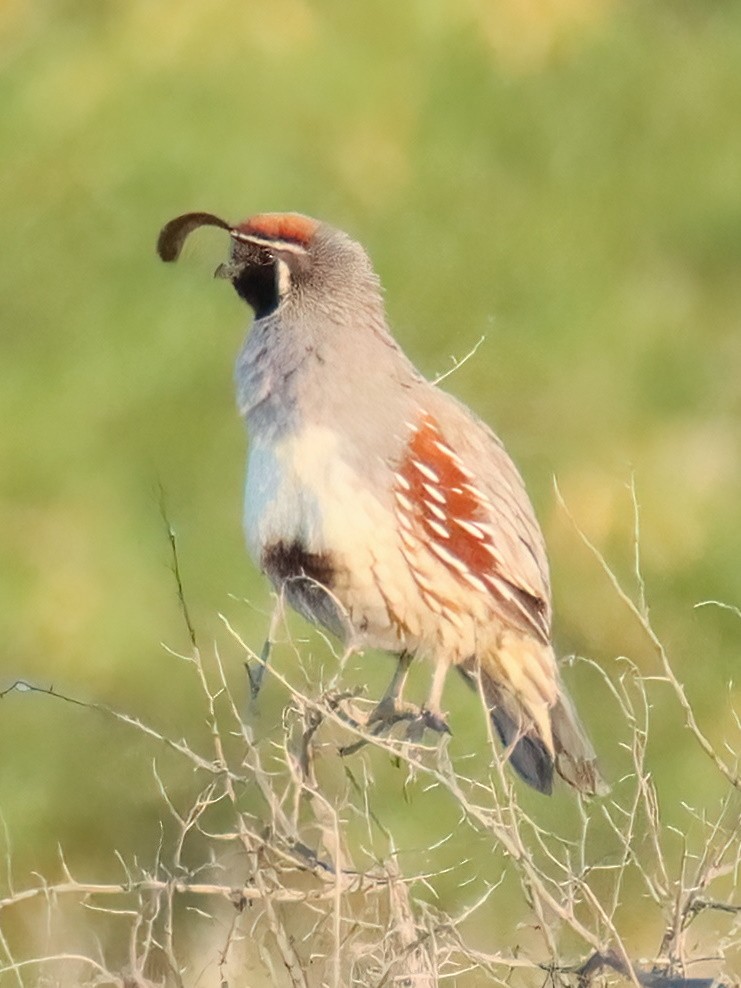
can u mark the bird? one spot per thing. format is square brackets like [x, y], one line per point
[380, 507]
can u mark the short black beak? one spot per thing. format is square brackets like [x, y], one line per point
[228, 270]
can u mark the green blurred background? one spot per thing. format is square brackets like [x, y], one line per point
[561, 178]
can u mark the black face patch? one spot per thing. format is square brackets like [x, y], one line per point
[257, 284]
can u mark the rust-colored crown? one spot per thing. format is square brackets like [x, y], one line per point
[287, 227]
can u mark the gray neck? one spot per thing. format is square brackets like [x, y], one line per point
[267, 372]
[292, 371]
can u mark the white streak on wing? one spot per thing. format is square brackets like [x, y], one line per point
[436, 511]
[424, 582]
[470, 528]
[403, 501]
[438, 529]
[434, 493]
[455, 619]
[448, 558]
[405, 521]
[432, 602]
[409, 540]
[475, 582]
[475, 492]
[492, 550]
[426, 471]
[501, 588]
[402, 481]
[447, 451]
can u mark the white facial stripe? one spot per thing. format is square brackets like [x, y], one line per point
[285, 245]
[284, 276]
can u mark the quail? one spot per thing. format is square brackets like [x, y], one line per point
[378, 505]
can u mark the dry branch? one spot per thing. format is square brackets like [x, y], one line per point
[322, 901]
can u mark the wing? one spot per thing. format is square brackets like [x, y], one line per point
[456, 483]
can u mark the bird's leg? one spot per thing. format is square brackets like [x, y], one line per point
[256, 671]
[431, 715]
[255, 675]
[391, 707]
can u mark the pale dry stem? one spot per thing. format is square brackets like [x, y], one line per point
[307, 882]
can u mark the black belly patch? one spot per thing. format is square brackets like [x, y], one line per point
[284, 561]
[306, 578]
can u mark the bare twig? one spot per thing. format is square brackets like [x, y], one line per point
[286, 852]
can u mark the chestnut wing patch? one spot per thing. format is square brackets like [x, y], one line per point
[438, 502]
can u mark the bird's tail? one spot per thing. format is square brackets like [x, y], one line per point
[534, 757]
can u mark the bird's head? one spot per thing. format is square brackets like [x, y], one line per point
[278, 258]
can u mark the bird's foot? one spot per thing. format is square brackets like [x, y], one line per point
[388, 713]
[426, 719]
[434, 721]
[256, 670]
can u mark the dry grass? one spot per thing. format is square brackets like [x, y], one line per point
[280, 870]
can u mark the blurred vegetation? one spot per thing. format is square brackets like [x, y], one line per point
[560, 178]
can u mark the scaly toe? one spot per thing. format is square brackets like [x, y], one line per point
[426, 720]
[434, 721]
[389, 712]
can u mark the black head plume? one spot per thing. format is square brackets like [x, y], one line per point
[174, 234]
